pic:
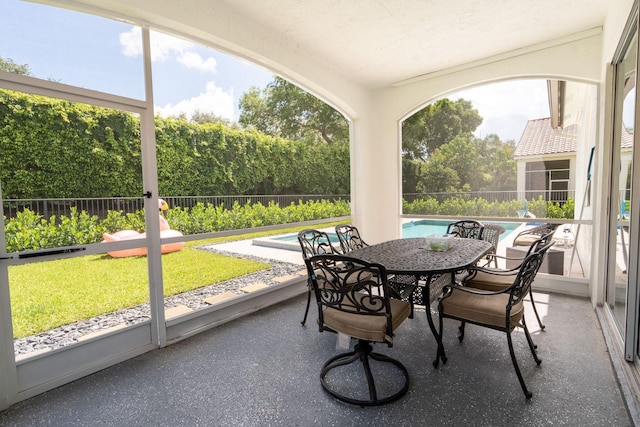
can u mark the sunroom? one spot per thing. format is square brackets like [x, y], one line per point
[377, 63]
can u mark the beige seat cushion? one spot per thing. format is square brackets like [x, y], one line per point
[485, 309]
[367, 327]
[525, 240]
[489, 282]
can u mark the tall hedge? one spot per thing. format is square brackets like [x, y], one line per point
[55, 148]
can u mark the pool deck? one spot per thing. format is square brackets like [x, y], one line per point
[246, 247]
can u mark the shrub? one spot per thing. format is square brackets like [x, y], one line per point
[30, 231]
[462, 206]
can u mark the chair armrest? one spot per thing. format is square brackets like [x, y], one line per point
[493, 271]
[494, 257]
[447, 290]
[505, 257]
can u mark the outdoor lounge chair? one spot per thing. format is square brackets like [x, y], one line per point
[527, 237]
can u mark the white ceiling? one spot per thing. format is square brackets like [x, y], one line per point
[380, 42]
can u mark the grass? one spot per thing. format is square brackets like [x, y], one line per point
[49, 294]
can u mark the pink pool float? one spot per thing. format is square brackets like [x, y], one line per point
[165, 231]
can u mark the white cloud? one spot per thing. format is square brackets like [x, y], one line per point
[131, 42]
[166, 48]
[506, 106]
[194, 60]
[214, 100]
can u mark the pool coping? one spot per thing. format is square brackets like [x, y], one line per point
[270, 242]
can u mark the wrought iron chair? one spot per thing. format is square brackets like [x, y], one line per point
[467, 228]
[501, 310]
[349, 238]
[354, 299]
[498, 279]
[313, 242]
[491, 233]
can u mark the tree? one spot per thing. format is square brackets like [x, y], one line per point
[497, 162]
[436, 125]
[468, 164]
[436, 176]
[202, 117]
[461, 155]
[10, 66]
[283, 109]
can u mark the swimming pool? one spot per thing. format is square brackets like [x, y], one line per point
[427, 227]
[419, 228]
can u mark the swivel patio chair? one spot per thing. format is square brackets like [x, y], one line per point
[354, 299]
[349, 238]
[501, 310]
[467, 228]
[313, 242]
[498, 279]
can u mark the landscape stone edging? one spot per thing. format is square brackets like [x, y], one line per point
[70, 334]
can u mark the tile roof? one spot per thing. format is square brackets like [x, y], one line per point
[627, 138]
[539, 138]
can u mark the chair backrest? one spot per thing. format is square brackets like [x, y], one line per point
[467, 228]
[527, 273]
[351, 286]
[315, 242]
[349, 237]
[541, 243]
[491, 234]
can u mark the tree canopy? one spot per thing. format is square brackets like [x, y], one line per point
[10, 66]
[439, 152]
[283, 109]
[435, 125]
[465, 163]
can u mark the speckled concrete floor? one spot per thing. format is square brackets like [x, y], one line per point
[262, 370]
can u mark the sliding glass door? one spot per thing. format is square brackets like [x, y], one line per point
[622, 286]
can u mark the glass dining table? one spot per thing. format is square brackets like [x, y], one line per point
[419, 274]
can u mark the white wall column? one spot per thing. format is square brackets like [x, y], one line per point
[375, 175]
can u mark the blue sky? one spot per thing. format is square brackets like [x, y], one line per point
[189, 77]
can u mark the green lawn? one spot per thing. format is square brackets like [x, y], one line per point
[45, 295]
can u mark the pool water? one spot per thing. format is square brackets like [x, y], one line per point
[420, 228]
[427, 227]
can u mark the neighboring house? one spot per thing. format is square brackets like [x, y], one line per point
[545, 159]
